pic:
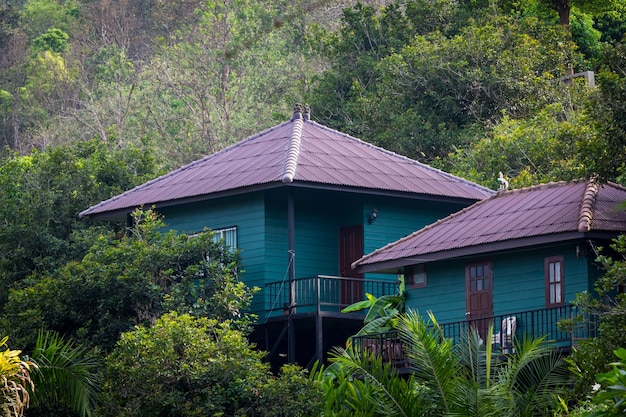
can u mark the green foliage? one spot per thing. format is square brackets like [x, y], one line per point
[613, 392]
[66, 376]
[42, 194]
[129, 279]
[538, 149]
[607, 111]
[38, 16]
[423, 95]
[184, 366]
[466, 380]
[382, 312]
[54, 40]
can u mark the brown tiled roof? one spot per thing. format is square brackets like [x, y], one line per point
[543, 213]
[299, 151]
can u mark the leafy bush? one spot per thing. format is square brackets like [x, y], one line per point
[185, 366]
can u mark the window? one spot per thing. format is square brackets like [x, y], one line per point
[229, 235]
[553, 271]
[417, 276]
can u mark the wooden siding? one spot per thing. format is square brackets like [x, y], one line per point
[261, 221]
[396, 219]
[244, 212]
[444, 294]
[518, 282]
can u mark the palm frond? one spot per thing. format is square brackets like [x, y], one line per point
[66, 374]
[384, 392]
[534, 375]
[432, 357]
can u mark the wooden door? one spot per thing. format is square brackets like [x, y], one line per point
[479, 296]
[350, 249]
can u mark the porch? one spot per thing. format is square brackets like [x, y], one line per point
[324, 294]
[506, 329]
[303, 318]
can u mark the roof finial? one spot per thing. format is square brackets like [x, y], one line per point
[297, 111]
[307, 112]
[504, 184]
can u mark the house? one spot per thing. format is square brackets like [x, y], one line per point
[514, 260]
[302, 202]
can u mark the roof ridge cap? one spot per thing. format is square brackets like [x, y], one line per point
[413, 161]
[587, 204]
[530, 188]
[293, 151]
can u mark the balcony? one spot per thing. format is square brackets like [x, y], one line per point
[532, 323]
[323, 293]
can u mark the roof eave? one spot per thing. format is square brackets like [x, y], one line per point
[398, 265]
[120, 213]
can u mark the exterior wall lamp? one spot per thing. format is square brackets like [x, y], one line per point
[372, 216]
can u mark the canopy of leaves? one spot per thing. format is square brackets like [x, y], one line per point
[41, 195]
[423, 95]
[185, 366]
[126, 280]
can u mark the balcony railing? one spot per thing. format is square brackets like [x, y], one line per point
[323, 292]
[533, 323]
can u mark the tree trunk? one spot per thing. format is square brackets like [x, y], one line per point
[563, 8]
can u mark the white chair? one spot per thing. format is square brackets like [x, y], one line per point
[505, 336]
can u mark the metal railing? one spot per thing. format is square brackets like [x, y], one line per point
[576, 324]
[326, 292]
[532, 323]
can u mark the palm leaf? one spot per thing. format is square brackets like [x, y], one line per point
[432, 357]
[65, 374]
[534, 375]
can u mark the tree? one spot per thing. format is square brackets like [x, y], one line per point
[563, 8]
[185, 366]
[130, 279]
[422, 95]
[470, 381]
[42, 194]
[206, 87]
[607, 114]
[542, 148]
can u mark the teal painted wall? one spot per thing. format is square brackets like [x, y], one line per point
[247, 213]
[518, 282]
[261, 221]
[397, 218]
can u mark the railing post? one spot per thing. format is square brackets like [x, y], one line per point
[319, 330]
[291, 337]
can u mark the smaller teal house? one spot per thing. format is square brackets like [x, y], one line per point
[302, 202]
[514, 260]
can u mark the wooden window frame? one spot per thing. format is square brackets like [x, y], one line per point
[417, 269]
[549, 285]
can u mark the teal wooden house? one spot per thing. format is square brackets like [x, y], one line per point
[302, 202]
[515, 260]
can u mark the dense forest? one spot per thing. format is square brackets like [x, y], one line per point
[97, 96]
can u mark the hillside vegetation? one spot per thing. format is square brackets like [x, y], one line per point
[98, 96]
[472, 86]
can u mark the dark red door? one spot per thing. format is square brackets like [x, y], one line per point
[350, 249]
[479, 298]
